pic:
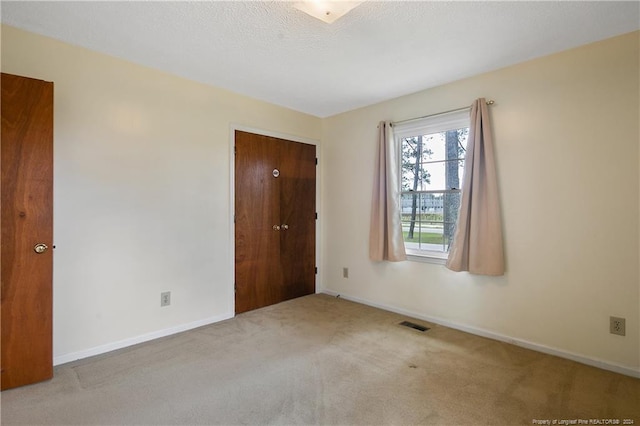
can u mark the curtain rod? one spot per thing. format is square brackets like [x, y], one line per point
[393, 123]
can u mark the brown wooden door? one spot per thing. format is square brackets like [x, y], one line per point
[298, 214]
[274, 220]
[27, 220]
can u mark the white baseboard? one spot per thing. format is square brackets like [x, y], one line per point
[62, 359]
[605, 365]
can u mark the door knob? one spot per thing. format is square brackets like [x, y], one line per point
[285, 226]
[276, 227]
[40, 248]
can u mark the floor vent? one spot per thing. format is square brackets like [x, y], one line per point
[414, 326]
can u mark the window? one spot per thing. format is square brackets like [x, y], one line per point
[432, 163]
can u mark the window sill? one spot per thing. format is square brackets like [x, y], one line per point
[435, 258]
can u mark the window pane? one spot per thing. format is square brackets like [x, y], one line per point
[429, 220]
[463, 135]
[422, 207]
[410, 149]
[407, 202]
[434, 147]
[415, 177]
[451, 206]
[445, 145]
[452, 174]
[433, 237]
[434, 161]
[412, 170]
[431, 205]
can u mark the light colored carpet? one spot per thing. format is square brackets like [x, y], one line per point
[322, 360]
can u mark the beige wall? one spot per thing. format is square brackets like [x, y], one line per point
[566, 137]
[142, 192]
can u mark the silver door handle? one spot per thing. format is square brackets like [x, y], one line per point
[276, 227]
[40, 248]
[285, 226]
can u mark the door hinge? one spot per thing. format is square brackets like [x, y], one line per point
[316, 270]
[316, 215]
[235, 150]
[316, 161]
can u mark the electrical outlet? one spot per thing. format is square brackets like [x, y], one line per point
[345, 272]
[165, 298]
[617, 326]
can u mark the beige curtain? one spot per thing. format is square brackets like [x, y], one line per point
[477, 244]
[385, 236]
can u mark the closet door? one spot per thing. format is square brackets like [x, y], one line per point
[274, 220]
[257, 242]
[297, 214]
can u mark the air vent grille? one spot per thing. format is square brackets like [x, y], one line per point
[414, 326]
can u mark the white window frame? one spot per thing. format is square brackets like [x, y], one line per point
[419, 127]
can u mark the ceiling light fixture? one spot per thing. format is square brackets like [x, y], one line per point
[328, 11]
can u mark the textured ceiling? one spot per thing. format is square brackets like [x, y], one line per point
[274, 52]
